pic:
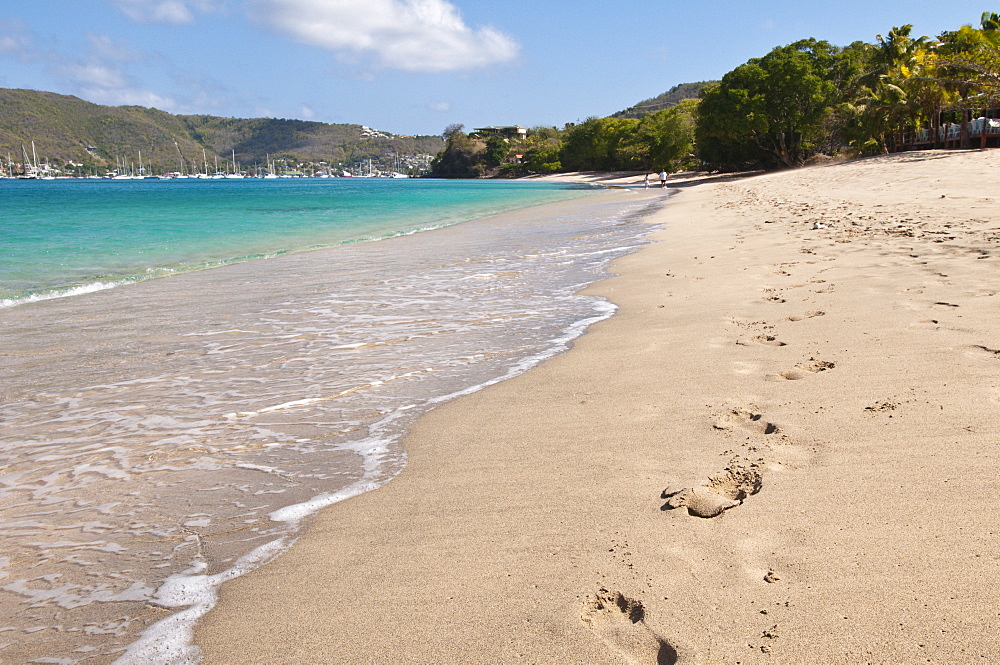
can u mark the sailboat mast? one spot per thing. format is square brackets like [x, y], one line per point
[180, 156]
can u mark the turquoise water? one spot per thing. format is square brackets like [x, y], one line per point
[72, 236]
[165, 437]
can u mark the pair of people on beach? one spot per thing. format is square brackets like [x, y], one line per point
[663, 180]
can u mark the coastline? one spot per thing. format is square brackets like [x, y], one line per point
[822, 343]
[135, 405]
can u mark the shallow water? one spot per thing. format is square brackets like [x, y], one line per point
[160, 438]
[73, 236]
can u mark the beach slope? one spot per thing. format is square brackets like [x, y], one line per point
[783, 448]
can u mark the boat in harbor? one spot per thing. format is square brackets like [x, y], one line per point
[236, 172]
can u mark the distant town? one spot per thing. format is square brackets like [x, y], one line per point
[390, 165]
[45, 135]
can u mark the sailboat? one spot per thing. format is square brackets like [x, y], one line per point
[235, 174]
[122, 172]
[269, 174]
[142, 171]
[396, 173]
[42, 174]
[204, 160]
[30, 170]
[182, 173]
[218, 175]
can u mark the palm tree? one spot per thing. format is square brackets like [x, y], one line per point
[877, 114]
[926, 94]
[894, 90]
[894, 55]
[990, 22]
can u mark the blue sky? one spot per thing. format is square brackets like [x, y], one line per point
[416, 66]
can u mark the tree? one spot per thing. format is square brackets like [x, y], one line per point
[665, 139]
[771, 109]
[497, 149]
[542, 147]
[888, 93]
[543, 160]
[969, 65]
[599, 144]
[459, 159]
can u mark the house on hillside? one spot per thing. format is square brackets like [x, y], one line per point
[512, 132]
[369, 133]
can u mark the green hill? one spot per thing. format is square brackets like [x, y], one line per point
[670, 98]
[63, 127]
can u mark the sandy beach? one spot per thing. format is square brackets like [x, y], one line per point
[782, 449]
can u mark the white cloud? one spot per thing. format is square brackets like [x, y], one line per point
[439, 106]
[129, 96]
[95, 74]
[107, 48]
[15, 39]
[166, 11]
[307, 113]
[412, 35]
[104, 82]
[9, 44]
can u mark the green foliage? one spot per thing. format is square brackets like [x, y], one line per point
[772, 109]
[665, 140]
[672, 97]
[721, 146]
[798, 101]
[543, 160]
[810, 97]
[969, 62]
[600, 144]
[885, 91]
[497, 148]
[461, 157]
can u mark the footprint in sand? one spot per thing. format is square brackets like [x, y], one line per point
[788, 375]
[724, 491]
[807, 315]
[620, 623]
[768, 340]
[802, 370]
[747, 419]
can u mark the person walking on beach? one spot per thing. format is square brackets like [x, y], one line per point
[645, 182]
[663, 178]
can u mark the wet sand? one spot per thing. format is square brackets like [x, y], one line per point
[783, 448]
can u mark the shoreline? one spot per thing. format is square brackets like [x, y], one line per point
[813, 352]
[142, 394]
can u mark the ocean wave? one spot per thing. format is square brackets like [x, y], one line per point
[51, 294]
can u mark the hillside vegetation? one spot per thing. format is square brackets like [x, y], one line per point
[63, 127]
[807, 101]
[671, 97]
